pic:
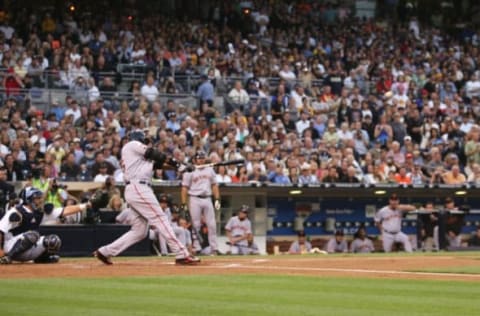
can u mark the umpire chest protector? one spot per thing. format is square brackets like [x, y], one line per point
[28, 221]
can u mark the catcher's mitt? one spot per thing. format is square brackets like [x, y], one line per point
[99, 199]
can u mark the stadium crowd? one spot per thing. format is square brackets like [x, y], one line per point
[310, 94]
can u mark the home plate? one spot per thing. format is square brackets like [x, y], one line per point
[232, 265]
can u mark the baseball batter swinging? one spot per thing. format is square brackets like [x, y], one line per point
[389, 222]
[137, 164]
[197, 188]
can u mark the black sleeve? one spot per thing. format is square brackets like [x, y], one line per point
[156, 156]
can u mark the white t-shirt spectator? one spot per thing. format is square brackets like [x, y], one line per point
[149, 92]
[472, 88]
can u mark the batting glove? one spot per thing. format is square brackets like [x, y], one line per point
[184, 212]
[217, 205]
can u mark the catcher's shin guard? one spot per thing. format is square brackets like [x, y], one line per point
[27, 241]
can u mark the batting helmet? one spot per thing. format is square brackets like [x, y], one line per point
[137, 135]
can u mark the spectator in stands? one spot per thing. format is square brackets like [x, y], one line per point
[205, 94]
[301, 245]
[337, 243]
[306, 176]
[56, 193]
[238, 97]
[361, 243]
[454, 176]
[222, 176]
[116, 203]
[69, 168]
[402, 177]
[278, 175]
[149, 90]
[102, 174]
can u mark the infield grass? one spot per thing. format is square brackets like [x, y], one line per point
[238, 295]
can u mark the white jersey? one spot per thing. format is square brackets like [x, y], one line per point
[391, 219]
[334, 246]
[200, 181]
[134, 164]
[52, 218]
[239, 228]
[362, 246]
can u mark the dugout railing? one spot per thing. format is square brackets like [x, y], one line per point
[279, 211]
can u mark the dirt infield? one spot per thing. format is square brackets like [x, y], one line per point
[404, 267]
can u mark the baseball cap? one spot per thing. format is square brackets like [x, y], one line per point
[339, 232]
[244, 208]
[394, 197]
[407, 138]
[448, 200]
[163, 198]
[200, 154]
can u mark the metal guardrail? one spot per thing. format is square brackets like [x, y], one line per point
[47, 87]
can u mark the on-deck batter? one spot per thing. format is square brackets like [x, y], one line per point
[137, 164]
[198, 187]
[389, 221]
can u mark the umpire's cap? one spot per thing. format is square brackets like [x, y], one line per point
[137, 135]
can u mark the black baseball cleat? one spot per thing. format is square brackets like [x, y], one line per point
[190, 260]
[102, 258]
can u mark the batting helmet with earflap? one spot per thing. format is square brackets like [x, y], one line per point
[137, 135]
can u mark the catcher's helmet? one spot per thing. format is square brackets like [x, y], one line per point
[137, 135]
[31, 194]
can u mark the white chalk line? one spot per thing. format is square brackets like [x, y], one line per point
[344, 270]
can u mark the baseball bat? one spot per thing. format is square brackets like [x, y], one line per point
[222, 163]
